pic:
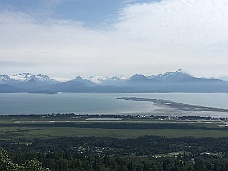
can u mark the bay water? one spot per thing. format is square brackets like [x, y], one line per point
[96, 103]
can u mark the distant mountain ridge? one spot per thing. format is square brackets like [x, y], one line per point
[26, 82]
[172, 76]
[178, 81]
[25, 77]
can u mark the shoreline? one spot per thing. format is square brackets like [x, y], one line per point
[175, 105]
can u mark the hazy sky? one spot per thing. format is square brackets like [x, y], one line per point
[65, 38]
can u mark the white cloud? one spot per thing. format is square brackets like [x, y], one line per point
[177, 22]
[147, 38]
[192, 34]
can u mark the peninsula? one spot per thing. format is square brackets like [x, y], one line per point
[176, 105]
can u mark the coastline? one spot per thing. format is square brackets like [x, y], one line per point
[175, 105]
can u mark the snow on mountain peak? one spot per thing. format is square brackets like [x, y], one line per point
[99, 79]
[179, 74]
[29, 76]
[224, 79]
[43, 77]
[4, 78]
[21, 76]
[96, 79]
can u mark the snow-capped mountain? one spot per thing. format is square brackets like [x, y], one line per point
[224, 79]
[177, 81]
[29, 76]
[172, 76]
[4, 78]
[168, 76]
[27, 81]
[107, 79]
[21, 77]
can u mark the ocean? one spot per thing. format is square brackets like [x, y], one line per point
[98, 103]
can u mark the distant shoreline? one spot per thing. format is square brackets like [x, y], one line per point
[175, 105]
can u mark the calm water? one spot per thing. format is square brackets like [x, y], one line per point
[93, 103]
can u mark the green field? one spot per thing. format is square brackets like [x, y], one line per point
[29, 133]
[27, 128]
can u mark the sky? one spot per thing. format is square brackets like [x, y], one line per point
[66, 38]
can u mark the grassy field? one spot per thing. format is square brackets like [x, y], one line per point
[126, 133]
[27, 128]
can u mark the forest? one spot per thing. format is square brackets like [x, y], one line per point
[147, 153]
[133, 143]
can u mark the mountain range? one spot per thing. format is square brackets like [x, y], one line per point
[178, 81]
